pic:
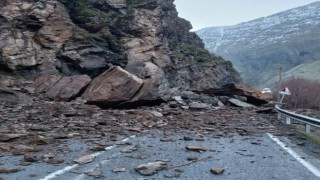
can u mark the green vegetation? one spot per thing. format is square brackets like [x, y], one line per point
[314, 138]
[131, 4]
[136, 3]
[106, 40]
[309, 70]
[202, 57]
[82, 12]
[18, 76]
[185, 50]
[97, 38]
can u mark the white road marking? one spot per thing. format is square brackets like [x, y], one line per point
[62, 171]
[305, 163]
[68, 168]
[82, 176]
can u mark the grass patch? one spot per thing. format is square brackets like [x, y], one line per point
[314, 138]
[185, 50]
[135, 3]
[83, 12]
[202, 57]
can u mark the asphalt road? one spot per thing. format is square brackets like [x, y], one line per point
[253, 157]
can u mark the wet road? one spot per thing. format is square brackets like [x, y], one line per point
[258, 156]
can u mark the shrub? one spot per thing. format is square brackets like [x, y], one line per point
[304, 93]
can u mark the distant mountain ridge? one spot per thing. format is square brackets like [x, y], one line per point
[258, 48]
[308, 70]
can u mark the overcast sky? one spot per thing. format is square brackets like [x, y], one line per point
[206, 13]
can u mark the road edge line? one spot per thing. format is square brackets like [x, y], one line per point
[305, 163]
[68, 168]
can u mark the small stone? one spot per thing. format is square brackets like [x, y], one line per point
[178, 99]
[151, 168]
[217, 171]
[157, 114]
[8, 137]
[192, 159]
[220, 104]
[167, 140]
[185, 107]
[25, 163]
[55, 160]
[255, 143]
[199, 106]
[143, 156]
[97, 148]
[84, 159]
[121, 143]
[95, 173]
[290, 133]
[135, 129]
[49, 155]
[301, 143]
[31, 158]
[41, 140]
[33, 174]
[129, 149]
[116, 170]
[187, 138]
[176, 174]
[8, 170]
[317, 151]
[196, 148]
[76, 171]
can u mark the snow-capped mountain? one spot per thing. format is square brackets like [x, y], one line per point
[259, 47]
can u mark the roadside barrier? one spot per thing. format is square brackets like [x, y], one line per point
[309, 121]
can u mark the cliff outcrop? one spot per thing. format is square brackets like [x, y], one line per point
[144, 39]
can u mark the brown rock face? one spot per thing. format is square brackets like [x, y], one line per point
[113, 86]
[57, 30]
[69, 38]
[61, 88]
[32, 33]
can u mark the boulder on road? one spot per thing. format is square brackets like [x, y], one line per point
[61, 88]
[253, 96]
[112, 87]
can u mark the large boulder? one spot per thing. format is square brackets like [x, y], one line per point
[112, 87]
[61, 88]
[253, 96]
[240, 103]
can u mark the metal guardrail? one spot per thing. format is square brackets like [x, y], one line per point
[309, 121]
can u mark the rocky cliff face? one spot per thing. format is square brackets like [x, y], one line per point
[145, 38]
[258, 48]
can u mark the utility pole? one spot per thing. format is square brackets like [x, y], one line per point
[280, 83]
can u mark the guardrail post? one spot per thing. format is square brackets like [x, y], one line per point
[279, 116]
[288, 120]
[308, 128]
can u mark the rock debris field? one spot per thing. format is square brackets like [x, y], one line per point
[34, 131]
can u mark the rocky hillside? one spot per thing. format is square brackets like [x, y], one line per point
[106, 51]
[258, 48]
